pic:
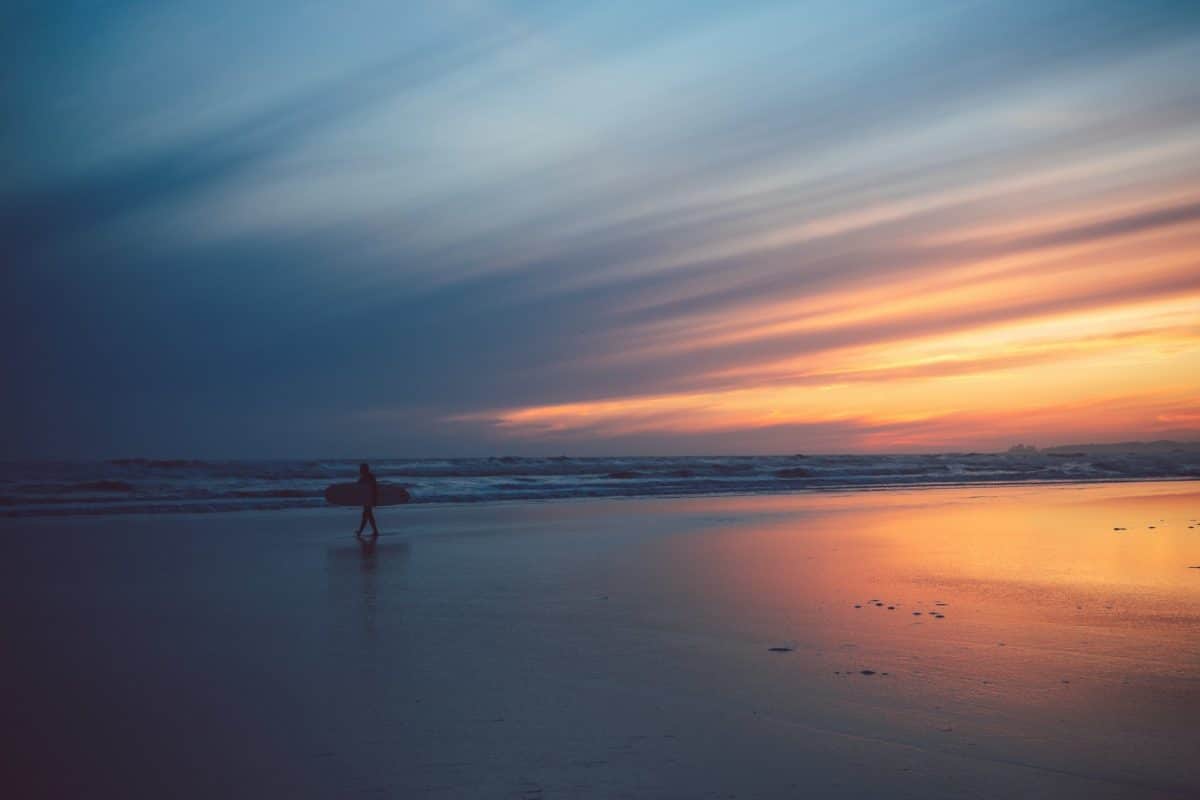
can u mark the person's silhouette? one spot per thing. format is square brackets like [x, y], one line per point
[368, 512]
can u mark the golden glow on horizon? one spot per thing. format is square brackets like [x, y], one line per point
[1121, 369]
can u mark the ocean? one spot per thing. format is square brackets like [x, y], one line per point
[154, 486]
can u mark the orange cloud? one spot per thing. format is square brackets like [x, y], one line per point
[1123, 371]
[936, 321]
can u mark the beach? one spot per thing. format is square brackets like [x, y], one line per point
[980, 641]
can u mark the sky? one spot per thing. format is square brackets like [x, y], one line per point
[473, 227]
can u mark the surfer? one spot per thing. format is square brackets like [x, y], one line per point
[368, 514]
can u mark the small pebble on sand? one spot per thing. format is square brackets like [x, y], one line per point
[868, 672]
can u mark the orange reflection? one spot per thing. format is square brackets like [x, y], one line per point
[857, 581]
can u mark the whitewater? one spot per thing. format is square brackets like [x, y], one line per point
[141, 485]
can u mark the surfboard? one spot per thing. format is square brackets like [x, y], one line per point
[359, 494]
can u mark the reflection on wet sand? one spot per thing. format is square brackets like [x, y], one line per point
[1012, 621]
[980, 642]
[360, 574]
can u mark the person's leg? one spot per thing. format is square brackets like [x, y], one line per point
[362, 523]
[371, 517]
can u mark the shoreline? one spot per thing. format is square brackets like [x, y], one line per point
[318, 503]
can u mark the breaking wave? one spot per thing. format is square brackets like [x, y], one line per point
[138, 485]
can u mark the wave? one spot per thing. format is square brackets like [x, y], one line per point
[153, 486]
[83, 486]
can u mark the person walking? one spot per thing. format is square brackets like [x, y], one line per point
[368, 513]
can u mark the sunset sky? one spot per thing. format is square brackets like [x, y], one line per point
[476, 227]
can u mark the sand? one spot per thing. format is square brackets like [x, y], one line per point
[701, 647]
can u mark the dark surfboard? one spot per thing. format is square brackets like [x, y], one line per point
[359, 494]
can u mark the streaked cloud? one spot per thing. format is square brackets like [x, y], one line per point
[602, 227]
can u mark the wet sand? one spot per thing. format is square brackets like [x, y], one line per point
[976, 642]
